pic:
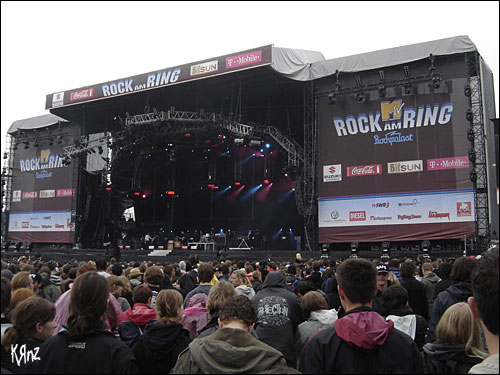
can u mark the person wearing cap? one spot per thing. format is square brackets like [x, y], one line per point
[383, 283]
[36, 278]
[134, 276]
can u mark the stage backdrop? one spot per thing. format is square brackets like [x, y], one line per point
[41, 195]
[395, 168]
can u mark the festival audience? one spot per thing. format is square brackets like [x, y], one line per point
[163, 340]
[231, 349]
[362, 341]
[242, 284]
[196, 315]
[205, 274]
[430, 280]
[116, 287]
[458, 344]
[460, 291]
[417, 298]
[484, 305]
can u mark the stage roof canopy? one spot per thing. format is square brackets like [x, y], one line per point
[35, 123]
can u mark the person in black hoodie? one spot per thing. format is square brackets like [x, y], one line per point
[157, 350]
[417, 299]
[33, 323]
[278, 315]
[444, 271]
[458, 346]
[362, 341]
[86, 347]
[395, 306]
[460, 291]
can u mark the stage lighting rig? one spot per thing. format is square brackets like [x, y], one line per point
[435, 77]
[354, 250]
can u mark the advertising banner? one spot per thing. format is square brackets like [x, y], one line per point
[165, 77]
[377, 155]
[42, 194]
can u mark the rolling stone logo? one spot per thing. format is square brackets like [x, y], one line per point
[81, 94]
[364, 170]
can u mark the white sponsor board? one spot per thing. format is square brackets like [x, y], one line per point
[449, 207]
[46, 221]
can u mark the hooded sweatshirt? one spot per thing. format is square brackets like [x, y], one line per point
[318, 321]
[243, 290]
[278, 315]
[430, 281]
[228, 351]
[361, 342]
[157, 350]
[441, 357]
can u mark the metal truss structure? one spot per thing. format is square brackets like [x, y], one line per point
[477, 155]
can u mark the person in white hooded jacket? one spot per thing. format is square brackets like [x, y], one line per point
[242, 284]
[318, 316]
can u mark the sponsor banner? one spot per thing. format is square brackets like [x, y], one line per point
[165, 77]
[39, 221]
[364, 170]
[16, 196]
[409, 166]
[332, 173]
[449, 207]
[81, 94]
[447, 163]
[47, 193]
[207, 67]
[30, 195]
[61, 193]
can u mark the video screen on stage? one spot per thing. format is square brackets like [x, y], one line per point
[395, 168]
[42, 193]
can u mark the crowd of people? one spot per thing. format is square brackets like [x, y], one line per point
[304, 316]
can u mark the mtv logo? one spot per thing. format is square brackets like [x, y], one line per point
[392, 110]
[44, 156]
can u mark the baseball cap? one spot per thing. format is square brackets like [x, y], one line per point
[36, 277]
[381, 268]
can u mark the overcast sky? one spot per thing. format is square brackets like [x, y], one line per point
[49, 47]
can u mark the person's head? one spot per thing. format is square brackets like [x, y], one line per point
[154, 275]
[127, 287]
[239, 277]
[116, 286]
[356, 280]
[100, 264]
[142, 294]
[194, 260]
[394, 263]
[86, 267]
[205, 273]
[117, 269]
[458, 326]
[218, 295]
[462, 268]
[427, 268]
[382, 276]
[21, 280]
[37, 281]
[134, 273]
[444, 270]
[239, 310]
[302, 287]
[312, 301]
[484, 302]
[28, 268]
[257, 275]
[408, 269]
[34, 318]
[169, 306]
[89, 301]
[395, 298]
[6, 294]
[20, 295]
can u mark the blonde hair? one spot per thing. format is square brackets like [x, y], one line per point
[393, 278]
[21, 280]
[458, 326]
[169, 304]
[127, 288]
[242, 278]
[218, 295]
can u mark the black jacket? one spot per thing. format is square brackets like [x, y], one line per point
[278, 315]
[97, 352]
[441, 357]
[361, 342]
[18, 363]
[417, 299]
[157, 350]
[458, 292]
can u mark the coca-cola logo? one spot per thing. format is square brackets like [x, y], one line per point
[364, 170]
[81, 94]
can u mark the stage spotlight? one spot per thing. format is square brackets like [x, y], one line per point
[266, 181]
[425, 248]
[239, 141]
[268, 145]
[468, 115]
[254, 143]
[100, 150]
[36, 144]
[331, 98]
[470, 135]
[5, 156]
[237, 183]
[467, 91]
[170, 192]
[473, 175]
[51, 141]
[408, 88]
[26, 145]
[385, 250]
[472, 156]
[436, 81]
[406, 70]
[360, 97]
[381, 91]
[15, 146]
[354, 250]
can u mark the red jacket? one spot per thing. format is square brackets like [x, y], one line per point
[140, 314]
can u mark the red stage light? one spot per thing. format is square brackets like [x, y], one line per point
[108, 189]
[187, 135]
[237, 183]
[137, 193]
[210, 186]
[171, 192]
[266, 181]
